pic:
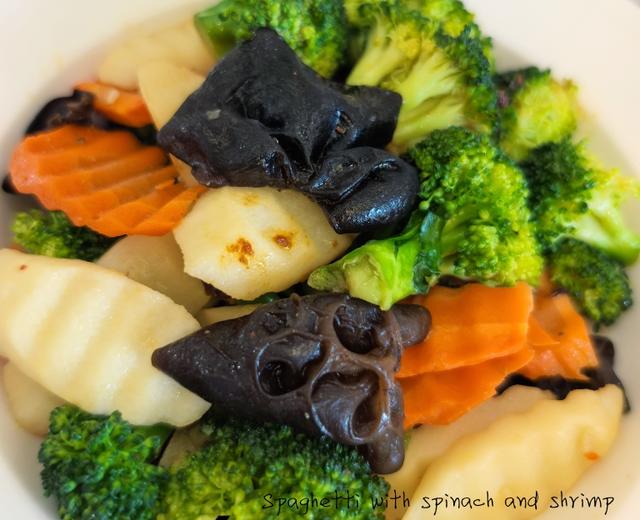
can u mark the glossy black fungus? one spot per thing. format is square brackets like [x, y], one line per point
[76, 109]
[323, 364]
[263, 118]
[603, 374]
[364, 189]
[7, 185]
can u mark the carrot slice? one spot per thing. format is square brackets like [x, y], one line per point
[571, 351]
[470, 325]
[105, 180]
[121, 106]
[439, 398]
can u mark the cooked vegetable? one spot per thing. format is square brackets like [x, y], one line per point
[573, 195]
[244, 466]
[107, 181]
[535, 109]
[572, 350]
[50, 233]
[444, 80]
[596, 282]
[267, 120]
[470, 325]
[427, 443]
[323, 364]
[442, 397]
[251, 241]
[230, 312]
[120, 106]
[164, 87]
[86, 334]
[179, 44]
[29, 403]
[183, 442]
[76, 109]
[596, 377]
[102, 467]
[473, 223]
[315, 29]
[545, 449]
[157, 263]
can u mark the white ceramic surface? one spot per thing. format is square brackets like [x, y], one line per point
[46, 46]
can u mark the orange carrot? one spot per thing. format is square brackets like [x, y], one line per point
[105, 180]
[571, 350]
[121, 106]
[470, 325]
[439, 398]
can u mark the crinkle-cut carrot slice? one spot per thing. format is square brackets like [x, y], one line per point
[166, 216]
[37, 157]
[79, 182]
[572, 350]
[469, 325]
[121, 106]
[94, 204]
[105, 180]
[439, 398]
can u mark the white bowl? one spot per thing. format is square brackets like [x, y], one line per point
[46, 47]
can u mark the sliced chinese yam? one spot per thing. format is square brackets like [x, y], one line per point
[571, 351]
[121, 106]
[247, 242]
[427, 443]
[157, 263]
[470, 325]
[105, 180]
[86, 334]
[442, 397]
[29, 403]
[179, 44]
[544, 450]
[164, 87]
[217, 314]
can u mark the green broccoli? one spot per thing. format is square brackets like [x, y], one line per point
[50, 233]
[315, 29]
[473, 223]
[444, 80]
[534, 109]
[100, 467]
[597, 282]
[573, 195]
[245, 468]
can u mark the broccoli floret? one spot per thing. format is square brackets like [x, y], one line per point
[50, 233]
[597, 282]
[244, 467]
[573, 195]
[100, 467]
[444, 80]
[534, 109]
[315, 29]
[473, 223]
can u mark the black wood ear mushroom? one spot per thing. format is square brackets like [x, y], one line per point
[263, 118]
[323, 364]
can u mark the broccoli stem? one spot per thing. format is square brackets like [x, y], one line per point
[380, 59]
[380, 272]
[604, 227]
[432, 114]
[431, 76]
